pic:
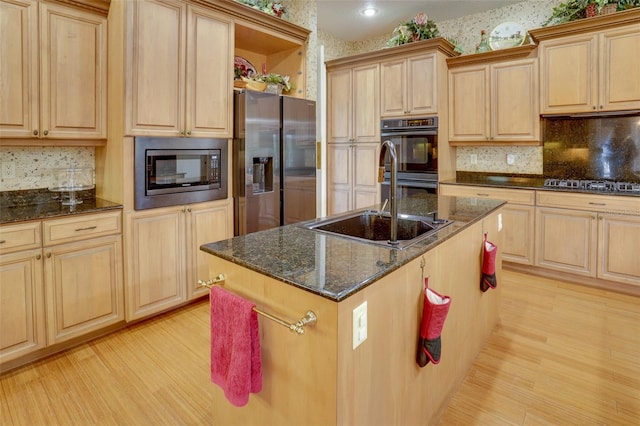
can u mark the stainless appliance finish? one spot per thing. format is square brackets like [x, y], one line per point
[274, 161]
[174, 171]
[416, 142]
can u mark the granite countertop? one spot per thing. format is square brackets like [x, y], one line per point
[515, 181]
[37, 204]
[336, 267]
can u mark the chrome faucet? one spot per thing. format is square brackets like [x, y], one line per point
[393, 208]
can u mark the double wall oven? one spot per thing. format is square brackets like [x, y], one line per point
[416, 142]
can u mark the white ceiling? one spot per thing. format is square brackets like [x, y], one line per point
[342, 18]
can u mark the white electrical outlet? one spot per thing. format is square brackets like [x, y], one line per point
[8, 170]
[474, 159]
[499, 222]
[511, 159]
[359, 325]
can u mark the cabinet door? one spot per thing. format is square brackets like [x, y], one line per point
[73, 73]
[566, 240]
[618, 248]
[18, 68]
[156, 56]
[205, 224]
[84, 287]
[339, 178]
[366, 103]
[393, 88]
[514, 101]
[422, 97]
[209, 104]
[365, 175]
[339, 106]
[568, 80]
[22, 324]
[620, 69]
[469, 104]
[155, 261]
[518, 223]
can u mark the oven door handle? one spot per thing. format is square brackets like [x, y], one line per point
[409, 133]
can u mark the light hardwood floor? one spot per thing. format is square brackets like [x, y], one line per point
[562, 354]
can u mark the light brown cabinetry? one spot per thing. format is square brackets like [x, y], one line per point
[518, 218]
[66, 270]
[179, 63]
[352, 176]
[591, 235]
[53, 62]
[163, 257]
[354, 137]
[495, 102]
[591, 71]
[409, 86]
[353, 104]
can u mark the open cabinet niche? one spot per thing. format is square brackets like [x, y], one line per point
[281, 53]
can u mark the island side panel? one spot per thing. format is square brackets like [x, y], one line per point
[379, 382]
[299, 371]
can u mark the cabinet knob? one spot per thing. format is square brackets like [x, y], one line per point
[189, 133]
[48, 255]
[182, 133]
[594, 107]
[35, 133]
[46, 132]
[184, 210]
[189, 209]
[38, 256]
[601, 106]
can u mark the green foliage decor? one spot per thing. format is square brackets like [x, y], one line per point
[576, 9]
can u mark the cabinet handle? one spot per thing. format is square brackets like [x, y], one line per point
[35, 133]
[48, 255]
[3, 241]
[38, 256]
[88, 228]
[46, 132]
[597, 204]
[482, 195]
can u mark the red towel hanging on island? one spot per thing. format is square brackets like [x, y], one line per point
[236, 364]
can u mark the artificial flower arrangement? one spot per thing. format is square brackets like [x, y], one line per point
[274, 8]
[271, 78]
[418, 28]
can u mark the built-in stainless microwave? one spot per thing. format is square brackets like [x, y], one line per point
[174, 171]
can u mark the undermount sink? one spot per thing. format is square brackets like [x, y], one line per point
[375, 227]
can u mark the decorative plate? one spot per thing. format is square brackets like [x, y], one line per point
[243, 68]
[507, 34]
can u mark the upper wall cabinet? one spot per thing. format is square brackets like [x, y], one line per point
[53, 74]
[591, 66]
[408, 86]
[494, 101]
[179, 64]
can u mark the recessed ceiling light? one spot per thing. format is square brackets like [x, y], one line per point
[369, 11]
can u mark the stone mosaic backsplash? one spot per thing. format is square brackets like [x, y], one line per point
[526, 159]
[34, 166]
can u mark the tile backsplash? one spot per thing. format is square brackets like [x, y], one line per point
[34, 166]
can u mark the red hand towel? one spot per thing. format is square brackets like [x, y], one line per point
[236, 365]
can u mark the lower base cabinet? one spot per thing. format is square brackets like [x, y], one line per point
[162, 257]
[618, 248]
[60, 279]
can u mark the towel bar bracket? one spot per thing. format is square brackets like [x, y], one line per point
[213, 281]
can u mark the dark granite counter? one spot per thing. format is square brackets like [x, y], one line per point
[336, 267]
[514, 181]
[21, 206]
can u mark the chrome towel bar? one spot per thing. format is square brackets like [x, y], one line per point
[297, 327]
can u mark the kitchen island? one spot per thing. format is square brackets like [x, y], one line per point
[319, 377]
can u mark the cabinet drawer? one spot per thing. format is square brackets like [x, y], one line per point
[24, 236]
[514, 196]
[590, 202]
[81, 227]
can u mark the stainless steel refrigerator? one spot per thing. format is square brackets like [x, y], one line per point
[274, 161]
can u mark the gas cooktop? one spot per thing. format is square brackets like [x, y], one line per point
[593, 185]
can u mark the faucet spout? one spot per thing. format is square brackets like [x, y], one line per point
[388, 146]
